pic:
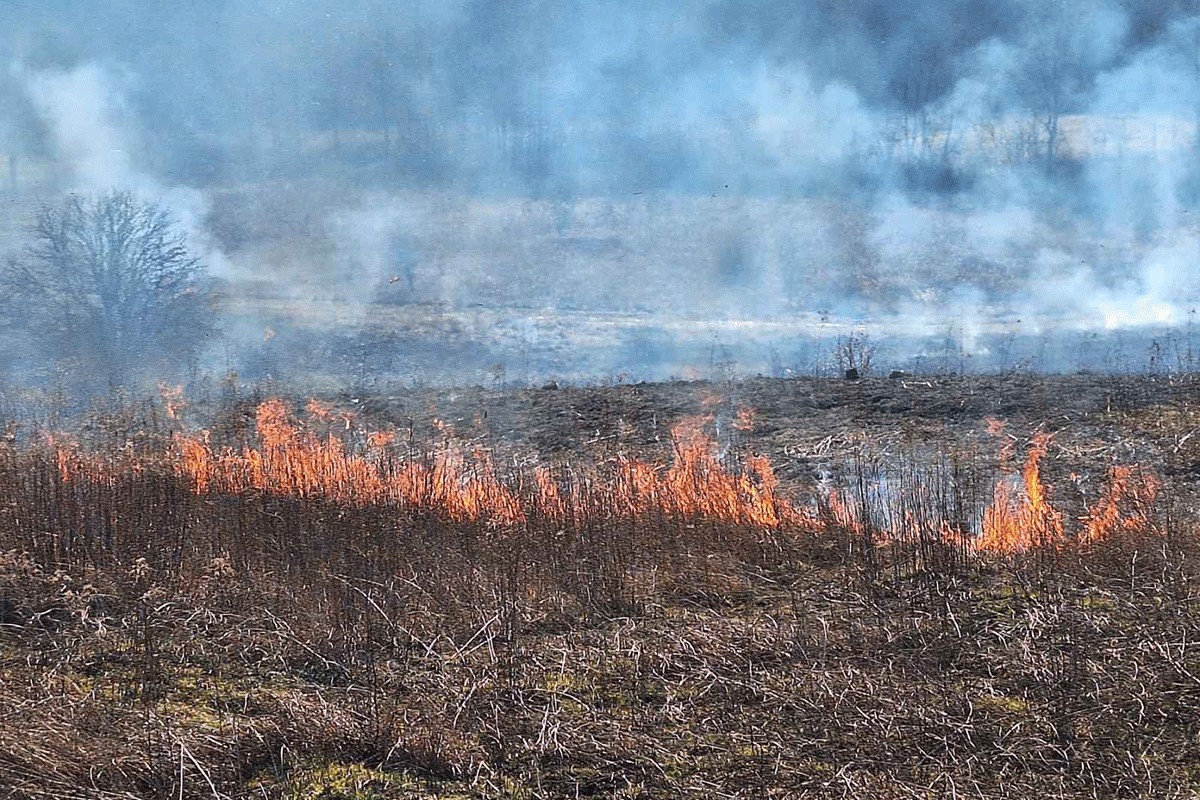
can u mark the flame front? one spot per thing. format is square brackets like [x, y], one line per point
[329, 458]
[291, 460]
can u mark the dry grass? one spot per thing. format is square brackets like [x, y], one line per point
[159, 641]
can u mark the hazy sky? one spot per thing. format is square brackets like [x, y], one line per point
[933, 159]
[585, 97]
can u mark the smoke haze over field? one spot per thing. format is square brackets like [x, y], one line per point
[940, 163]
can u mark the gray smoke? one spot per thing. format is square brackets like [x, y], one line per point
[534, 177]
[94, 142]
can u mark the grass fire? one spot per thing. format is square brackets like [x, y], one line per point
[274, 596]
[631, 400]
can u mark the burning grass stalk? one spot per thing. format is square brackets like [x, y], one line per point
[262, 611]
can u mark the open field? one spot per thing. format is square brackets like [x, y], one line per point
[716, 399]
[942, 587]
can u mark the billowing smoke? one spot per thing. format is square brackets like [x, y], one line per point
[95, 140]
[574, 188]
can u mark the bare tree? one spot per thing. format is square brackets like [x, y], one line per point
[854, 353]
[107, 286]
[1049, 85]
[1069, 43]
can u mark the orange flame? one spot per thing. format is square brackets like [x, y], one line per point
[841, 513]
[304, 456]
[380, 440]
[292, 460]
[1011, 525]
[172, 397]
[1125, 504]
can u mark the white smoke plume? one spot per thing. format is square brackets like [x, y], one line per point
[85, 111]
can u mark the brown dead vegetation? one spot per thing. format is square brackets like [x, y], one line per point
[160, 639]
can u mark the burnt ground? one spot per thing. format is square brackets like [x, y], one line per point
[804, 424]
